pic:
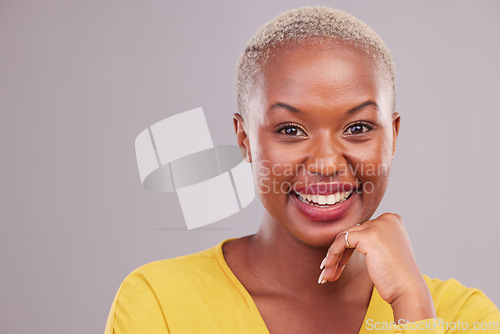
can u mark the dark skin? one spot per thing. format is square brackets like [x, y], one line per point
[324, 109]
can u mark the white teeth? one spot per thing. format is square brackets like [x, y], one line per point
[343, 196]
[331, 199]
[324, 200]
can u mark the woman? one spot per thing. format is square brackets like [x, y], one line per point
[316, 95]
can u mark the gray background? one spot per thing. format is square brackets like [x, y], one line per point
[80, 79]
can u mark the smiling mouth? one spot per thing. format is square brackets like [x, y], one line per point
[324, 201]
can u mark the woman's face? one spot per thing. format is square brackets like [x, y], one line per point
[321, 135]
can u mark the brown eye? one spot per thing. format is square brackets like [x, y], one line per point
[358, 128]
[292, 130]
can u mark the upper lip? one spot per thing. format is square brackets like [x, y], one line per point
[325, 188]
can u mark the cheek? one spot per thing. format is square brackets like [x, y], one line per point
[274, 168]
[371, 163]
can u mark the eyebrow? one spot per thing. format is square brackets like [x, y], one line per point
[298, 111]
[284, 106]
[362, 106]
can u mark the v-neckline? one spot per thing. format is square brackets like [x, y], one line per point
[375, 306]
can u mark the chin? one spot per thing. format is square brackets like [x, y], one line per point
[319, 231]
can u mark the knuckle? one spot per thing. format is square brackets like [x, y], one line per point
[397, 217]
[334, 251]
[392, 218]
[331, 251]
[387, 215]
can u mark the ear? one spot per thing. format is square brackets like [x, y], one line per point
[242, 137]
[395, 131]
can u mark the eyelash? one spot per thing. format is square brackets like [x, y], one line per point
[368, 125]
[288, 126]
[284, 126]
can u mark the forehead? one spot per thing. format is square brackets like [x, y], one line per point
[323, 73]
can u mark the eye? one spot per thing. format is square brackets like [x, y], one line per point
[291, 129]
[358, 128]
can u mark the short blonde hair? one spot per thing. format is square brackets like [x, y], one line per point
[308, 22]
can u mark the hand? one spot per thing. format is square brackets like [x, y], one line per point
[390, 262]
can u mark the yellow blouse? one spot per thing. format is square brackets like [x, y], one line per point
[199, 293]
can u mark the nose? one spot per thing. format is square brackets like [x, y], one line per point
[326, 156]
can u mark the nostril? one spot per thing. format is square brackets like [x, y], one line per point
[328, 167]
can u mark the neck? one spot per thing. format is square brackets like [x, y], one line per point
[289, 266]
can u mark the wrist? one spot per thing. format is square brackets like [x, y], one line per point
[414, 305]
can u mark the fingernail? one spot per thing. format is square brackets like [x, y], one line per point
[322, 265]
[320, 279]
[323, 281]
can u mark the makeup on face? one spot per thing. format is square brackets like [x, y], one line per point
[324, 201]
[324, 120]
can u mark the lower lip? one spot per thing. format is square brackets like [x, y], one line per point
[326, 213]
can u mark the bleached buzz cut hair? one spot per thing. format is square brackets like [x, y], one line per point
[308, 23]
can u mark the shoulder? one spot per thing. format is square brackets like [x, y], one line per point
[184, 264]
[179, 271]
[166, 287]
[454, 301]
[451, 291]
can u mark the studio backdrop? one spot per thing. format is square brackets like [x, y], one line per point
[80, 80]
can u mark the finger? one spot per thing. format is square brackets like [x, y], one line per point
[327, 274]
[345, 258]
[334, 253]
[333, 275]
[340, 245]
[336, 250]
[338, 255]
[343, 262]
[340, 270]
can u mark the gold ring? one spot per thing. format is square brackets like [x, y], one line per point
[346, 241]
